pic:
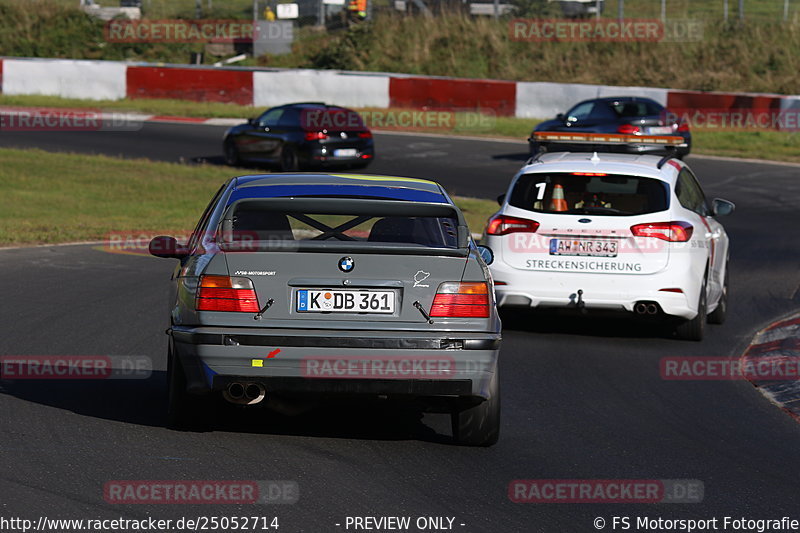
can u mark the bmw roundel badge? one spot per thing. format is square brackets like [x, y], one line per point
[346, 264]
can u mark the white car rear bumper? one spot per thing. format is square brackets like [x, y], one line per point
[523, 288]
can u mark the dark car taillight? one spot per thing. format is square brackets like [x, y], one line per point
[629, 129]
[504, 224]
[461, 300]
[224, 293]
[316, 135]
[666, 231]
[365, 135]
[683, 127]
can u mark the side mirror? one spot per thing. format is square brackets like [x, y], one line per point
[486, 254]
[251, 121]
[167, 247]
[720, 207]
[561, 117]
[501, 199]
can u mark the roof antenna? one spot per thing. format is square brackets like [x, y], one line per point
[595, 158]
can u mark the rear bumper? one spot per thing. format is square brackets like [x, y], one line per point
[326, 155]
[337, 362]
[618, 292]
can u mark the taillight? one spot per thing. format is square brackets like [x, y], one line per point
[504, 224]
[316, 135]
[666, 231]
[683, 127]
[461, 300]
[365, 135]
[629, 129]
[223, 293]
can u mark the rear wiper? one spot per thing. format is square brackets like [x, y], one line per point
[595, 210]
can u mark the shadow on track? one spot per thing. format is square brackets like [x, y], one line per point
[512, 157]
[590, 324]
[143, 402]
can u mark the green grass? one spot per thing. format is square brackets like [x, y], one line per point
[52, 197]
[773, 145]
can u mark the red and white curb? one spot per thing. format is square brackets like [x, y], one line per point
[777, 343]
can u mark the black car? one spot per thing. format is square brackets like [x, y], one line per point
[629, 115]
[302, 135]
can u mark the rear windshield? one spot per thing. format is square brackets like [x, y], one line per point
[636, 109]
[280, 227]
[584, 193]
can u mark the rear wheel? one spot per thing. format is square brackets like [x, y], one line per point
[231, 153]
[289, 161]
[479, 425]
[184, 411]
[693, 330]
[720, 313]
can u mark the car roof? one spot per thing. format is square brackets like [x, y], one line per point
[616, 163]
[343, 185]
[612, 99]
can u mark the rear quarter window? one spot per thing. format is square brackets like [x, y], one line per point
[580, 193]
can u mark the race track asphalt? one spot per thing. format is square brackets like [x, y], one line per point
[582, 396]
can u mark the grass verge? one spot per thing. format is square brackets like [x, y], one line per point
[770, 145]
[51, 197]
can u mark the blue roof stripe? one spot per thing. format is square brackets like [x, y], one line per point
[394, 193]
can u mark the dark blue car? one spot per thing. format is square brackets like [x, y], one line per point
[301, 136]
[631, 115]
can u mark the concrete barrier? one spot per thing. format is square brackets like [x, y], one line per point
[341, 88]
[101, 80]
[417, 92]
[197, 84]
[90, 80]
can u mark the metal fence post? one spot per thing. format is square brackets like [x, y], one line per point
[597, 9]
[741, 9]
[621, 9]
[725, 10]
[663, 10]
[785, 10]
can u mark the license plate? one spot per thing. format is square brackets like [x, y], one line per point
[595, 248]
[337, 301]
[345, 152]
[660, 130]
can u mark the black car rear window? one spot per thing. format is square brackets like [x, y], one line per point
[254, 221]
[639, 108]
[590, 193]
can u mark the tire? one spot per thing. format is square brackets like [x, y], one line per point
[231, 153]
[721, 312]
[289, 162]
[184, 411]
[479, 425]
[693, 330]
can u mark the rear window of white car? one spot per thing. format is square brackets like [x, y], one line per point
[590, 193]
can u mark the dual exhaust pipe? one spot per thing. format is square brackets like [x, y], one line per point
[244, 393]
[646, 308]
